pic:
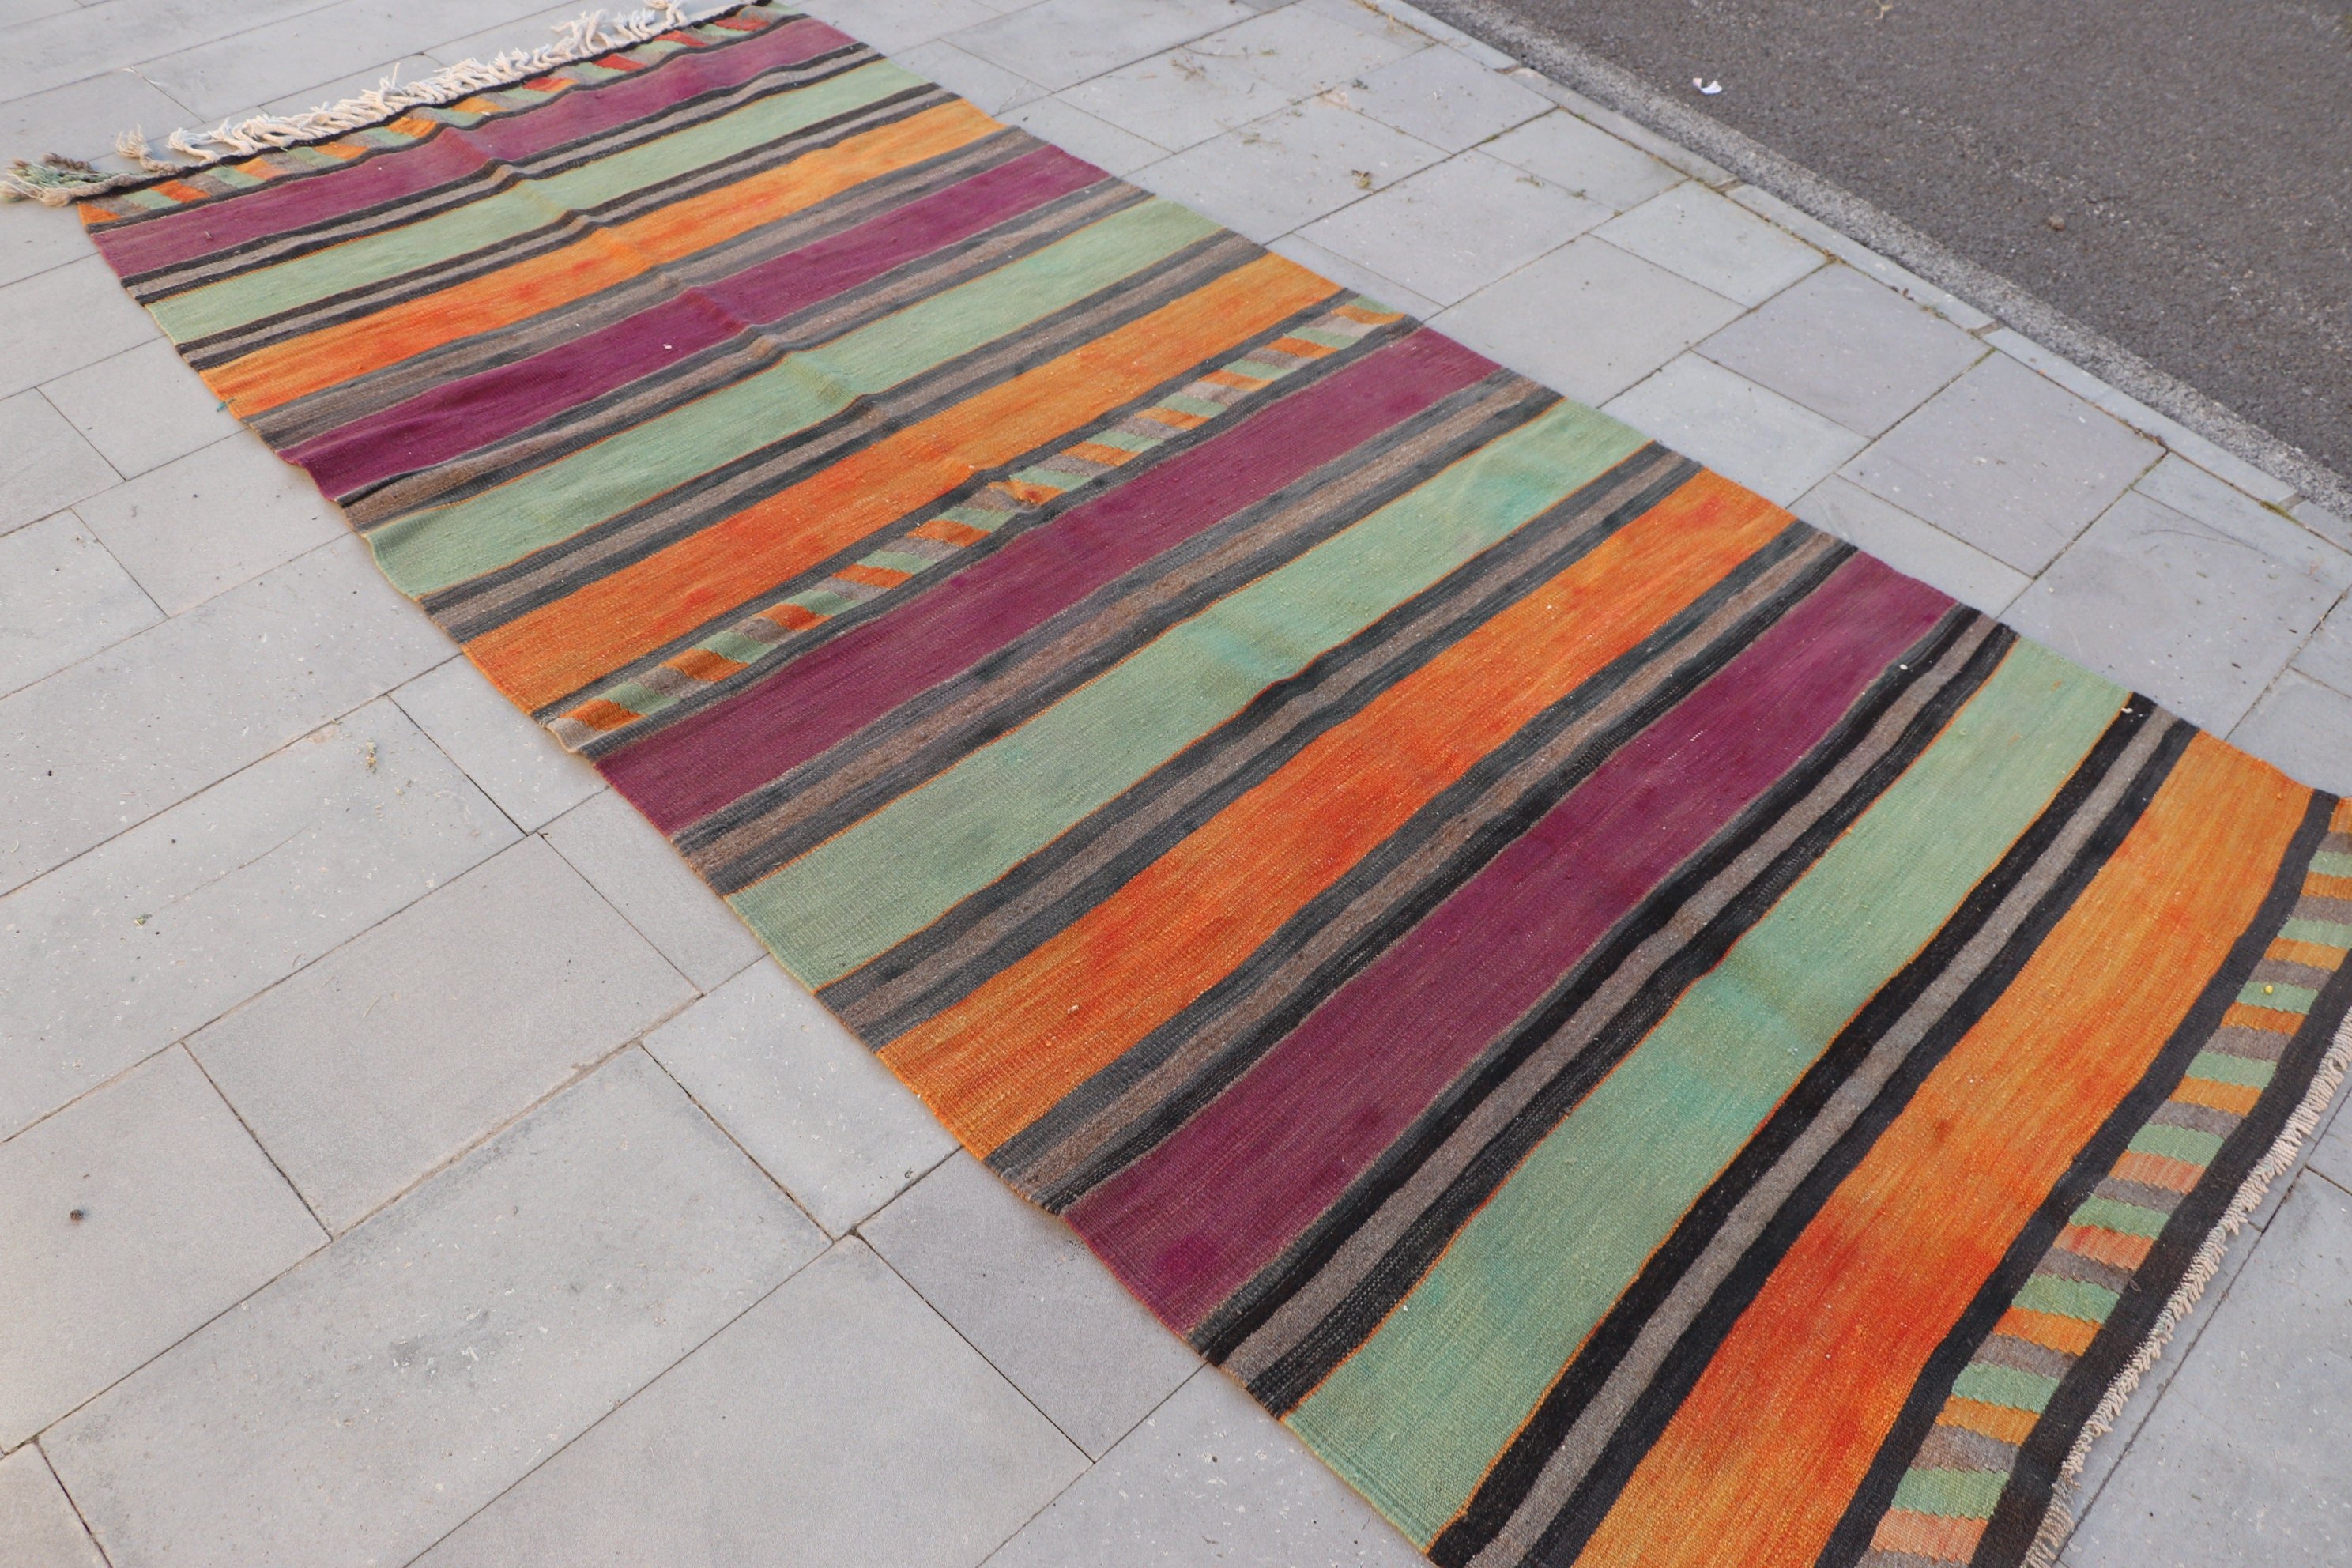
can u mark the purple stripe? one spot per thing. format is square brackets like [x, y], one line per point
[214, 226]
[1191, 1221]
[692, 768]
[475, 411]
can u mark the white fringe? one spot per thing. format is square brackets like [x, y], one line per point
[60, 180]
[2058, 1521]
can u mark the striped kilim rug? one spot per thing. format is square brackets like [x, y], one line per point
[1640, 1032]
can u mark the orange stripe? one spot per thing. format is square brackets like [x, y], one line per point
[2101, 1245]
[1004, 1054]
[2241, 1016]
[2072, 1336]
[2322, 887]
[2237, 1098]
[563, 646]
[1928, 1535]
[2315, 954]
[283, 371]
[1998, 1422]
[2159, 1170]
[1796, 1404]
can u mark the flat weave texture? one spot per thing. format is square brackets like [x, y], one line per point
[1640, 1032]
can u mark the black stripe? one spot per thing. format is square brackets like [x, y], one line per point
[345, 403]
[1017, 524]
[1293, 712]
[1465, 797]
[1696, 1348]
[1497, 830]
[1507, 1486]
[480, 604]
[2026, 1500]
[462, 190]
[1526, 401]
[753, 348]
[564, 228]
[1308, 1361]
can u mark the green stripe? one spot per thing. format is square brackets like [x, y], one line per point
[2220, 1067]
[2325, 934]
[1416, 1415]
[375, 258]
[2278, 997]
[2075, 1298]
[428, 550]
[917, 857]
[2184, 1143]
[2332, 863]
[2004, 1385]
[1951, 1494]
[2110, 1214]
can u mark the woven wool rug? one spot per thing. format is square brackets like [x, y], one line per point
[1640, 1032]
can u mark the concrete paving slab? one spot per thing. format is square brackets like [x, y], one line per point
[2189, 489]
[1778, 448]
[204, 523]
[839, 1422]
[300, 66]
[365, 1403]
[2242, 1459]
[1714, 243]
[1444, 98]
[86, 293]
[2304, 728]
[134, 1215]
[1073, 130]
[1585, 160]
[1062, 42]
[153, 934]
[38, 1527]
[79, 118]
[1848, 347]
[45, 465]
[1288, 169]
[1363, 280]
[892, 26]
[2199, 620]
[1020, 1286]
[142, 409]
[2327, 657]
[106, 743]
[1305, 49]
[2331, 1156]
[406, 1045]
[1588, 318]
[2323, 522]
[626, 859]
[1179, 99]
[62, 48]
[543, 27]
[985, 82]
[819, 1112]
[62, 598]
[2006, 461]
[1209, 1479]
[1902, 541]
[1456, 227]
[524, 769]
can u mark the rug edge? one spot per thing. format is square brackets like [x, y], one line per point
[2058, 1518]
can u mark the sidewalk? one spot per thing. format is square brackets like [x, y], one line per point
[661, 1266]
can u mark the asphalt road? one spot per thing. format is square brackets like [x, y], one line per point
[2198, 154]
